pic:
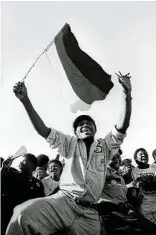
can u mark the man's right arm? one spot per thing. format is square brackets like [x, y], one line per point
[20, 91]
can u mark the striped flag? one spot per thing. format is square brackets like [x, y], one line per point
[86, 77]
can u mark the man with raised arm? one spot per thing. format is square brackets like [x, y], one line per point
[73, 206]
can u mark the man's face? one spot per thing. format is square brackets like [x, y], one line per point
[25, 164]
[142, 157]
[116, 161]
[85, 129]
[55, 169]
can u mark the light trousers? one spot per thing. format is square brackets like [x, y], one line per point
[45, 216]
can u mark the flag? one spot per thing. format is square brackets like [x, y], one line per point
[88, 80]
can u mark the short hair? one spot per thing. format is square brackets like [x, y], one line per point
[42, 160]
[137, 150]
[154, 152]
[32, 159]
[82, 118]
[125, 160]
[55, 161]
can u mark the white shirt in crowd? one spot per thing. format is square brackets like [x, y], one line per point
[49, 185]
[148, 206]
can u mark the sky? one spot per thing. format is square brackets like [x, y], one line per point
[120, 36]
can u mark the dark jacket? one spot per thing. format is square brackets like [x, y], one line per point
[17, 188]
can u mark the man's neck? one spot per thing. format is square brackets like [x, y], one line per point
[88, 142]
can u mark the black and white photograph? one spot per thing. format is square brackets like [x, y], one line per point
[78, 118]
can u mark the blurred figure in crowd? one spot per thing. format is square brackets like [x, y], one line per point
[41, 170]
[126, 170]
[18, 186]
[114, 207]
[144, 176]
[114, 189]
[154, 158]
[51, 183]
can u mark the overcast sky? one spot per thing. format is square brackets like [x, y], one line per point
[118, 35]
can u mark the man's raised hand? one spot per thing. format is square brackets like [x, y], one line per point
[20, 91]
[125, 81]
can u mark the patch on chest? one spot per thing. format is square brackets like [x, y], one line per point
[98, 149]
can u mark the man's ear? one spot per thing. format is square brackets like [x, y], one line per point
[75, 132]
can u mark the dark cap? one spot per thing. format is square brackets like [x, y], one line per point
[82, 118]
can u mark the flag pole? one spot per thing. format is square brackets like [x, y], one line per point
[43, 52]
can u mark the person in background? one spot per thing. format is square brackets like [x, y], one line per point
[18, 186]
[114, 189]
[126, 170]
[117, 204]
[154, 158]
[144, 177]
[51, 183]
[72, 206]
[41, 170]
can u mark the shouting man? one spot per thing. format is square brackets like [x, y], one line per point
[72, 207]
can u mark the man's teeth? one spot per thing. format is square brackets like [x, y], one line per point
[84, 130]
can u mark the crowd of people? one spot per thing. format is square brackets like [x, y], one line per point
[108, 195]
[36, 177]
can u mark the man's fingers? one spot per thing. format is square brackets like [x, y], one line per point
[118, 75]
[18, 87]
[119, 79]
[126, 74]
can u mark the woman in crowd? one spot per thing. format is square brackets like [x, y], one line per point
[144, 176]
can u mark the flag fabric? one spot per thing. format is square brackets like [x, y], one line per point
[88, 80]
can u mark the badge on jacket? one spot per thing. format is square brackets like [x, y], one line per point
[98, 149]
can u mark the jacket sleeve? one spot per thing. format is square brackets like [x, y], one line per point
[65, 144]
[113, 140]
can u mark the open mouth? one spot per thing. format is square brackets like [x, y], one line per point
[144, 159]
[86, 130]
[53, 171]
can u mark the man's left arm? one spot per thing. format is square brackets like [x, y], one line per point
[124, 120]
[115, 138]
